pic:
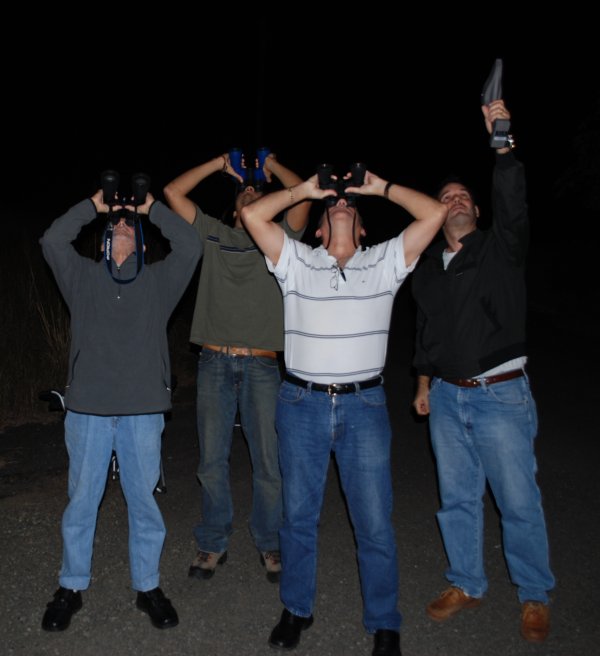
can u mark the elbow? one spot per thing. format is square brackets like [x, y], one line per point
[442, 214]
[246, 215]
[171, 193]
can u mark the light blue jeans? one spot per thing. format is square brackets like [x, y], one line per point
[481, 433]
[224, 382]
[356, 428]
[90, 440]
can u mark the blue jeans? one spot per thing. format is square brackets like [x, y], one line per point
[356, 428]
[481, 433]
[224, 383]
[90, 441]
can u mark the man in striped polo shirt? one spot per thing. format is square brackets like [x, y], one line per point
[337, 306]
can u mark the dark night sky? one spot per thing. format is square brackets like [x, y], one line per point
[401, 96]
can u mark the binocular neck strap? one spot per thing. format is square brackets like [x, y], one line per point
[139, 246]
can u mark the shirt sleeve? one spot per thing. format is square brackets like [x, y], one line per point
[509, 208]
[401, 271]
[280, 270]
[204, 223]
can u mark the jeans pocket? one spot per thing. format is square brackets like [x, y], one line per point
[289, 393]
[435, 382]
[375, 396]
[206, 356]
[267, 363]
[510, 392]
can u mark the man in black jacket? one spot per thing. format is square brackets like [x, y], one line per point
[117, 391]
[470, 360]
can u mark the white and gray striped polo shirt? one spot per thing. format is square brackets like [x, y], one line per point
[337, 326]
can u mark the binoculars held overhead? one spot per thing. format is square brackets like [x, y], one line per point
[140, 185]
[253, 176]
[340, 184]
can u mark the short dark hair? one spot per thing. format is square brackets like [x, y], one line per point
[454, 179]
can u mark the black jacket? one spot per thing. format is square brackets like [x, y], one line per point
[119, 360]
[471, 317]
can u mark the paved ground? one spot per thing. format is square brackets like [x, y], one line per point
[234, 612]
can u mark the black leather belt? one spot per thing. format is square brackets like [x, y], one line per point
[334, 388]
[490, 380]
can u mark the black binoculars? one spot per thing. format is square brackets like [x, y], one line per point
[326, 181]
[140, 185]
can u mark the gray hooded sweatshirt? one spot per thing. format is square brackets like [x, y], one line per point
[119, 358]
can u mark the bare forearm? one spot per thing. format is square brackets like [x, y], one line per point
[183, 184]
[176, 192]
[423, 382]
[265, 209]
[419, 205]
[429, 217]
[287, 177]
[258, 218]
[297, 215]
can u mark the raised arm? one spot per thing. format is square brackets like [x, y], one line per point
[429, 214]
[509, 194]
[176, 269]
[176, 192]
[258, 216]
[57, 245]
[297, 215]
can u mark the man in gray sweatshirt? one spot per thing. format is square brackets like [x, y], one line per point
[117, 390]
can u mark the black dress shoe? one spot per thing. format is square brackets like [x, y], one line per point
[61, 609]
[286, 635]
[154, 602]
[387, 643]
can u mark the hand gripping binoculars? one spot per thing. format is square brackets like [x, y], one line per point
[140, 185]
[253, 176]
[326, 181]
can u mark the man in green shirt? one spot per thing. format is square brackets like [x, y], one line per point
[238, 322]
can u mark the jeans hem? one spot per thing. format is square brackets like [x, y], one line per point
[298, 613]
[71, 583]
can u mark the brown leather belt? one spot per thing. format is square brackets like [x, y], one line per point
[489, 380]
[241, 350]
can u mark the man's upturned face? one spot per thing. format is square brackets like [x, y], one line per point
[341, 217]
[124, 234]
[123, 241]
[462, 211]
[245, 197]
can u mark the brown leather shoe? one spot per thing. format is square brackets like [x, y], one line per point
[535, 621]
[449, 603]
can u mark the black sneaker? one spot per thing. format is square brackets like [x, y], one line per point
[61, 609]
[154, 602]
